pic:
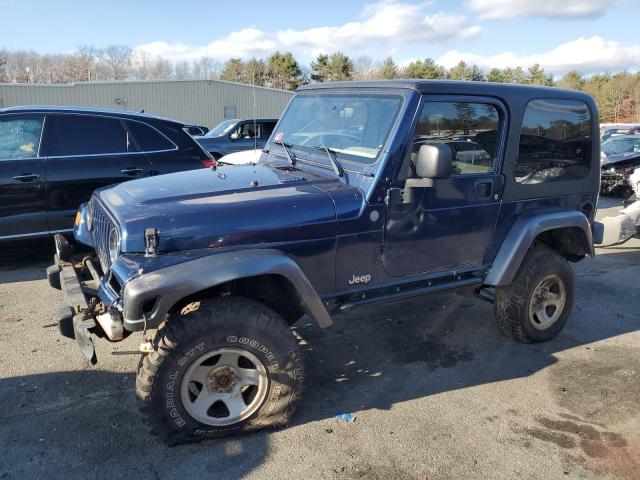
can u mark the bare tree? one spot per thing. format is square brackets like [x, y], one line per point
[363, 68]
[19, 66]
[119, 59]
[4, 58]
[160, 70]
[182, 71]
[206, 68]
[142, 65]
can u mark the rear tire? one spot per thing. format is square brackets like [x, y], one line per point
[538, 302]
[222, 366]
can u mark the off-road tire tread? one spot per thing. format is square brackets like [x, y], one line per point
[512, 301]
[180, 328]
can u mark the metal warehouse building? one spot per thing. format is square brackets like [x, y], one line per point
[200, 102]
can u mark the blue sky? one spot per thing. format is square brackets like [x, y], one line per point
[589, 35]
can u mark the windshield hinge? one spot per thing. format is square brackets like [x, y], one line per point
[395, 196]
[151, 241]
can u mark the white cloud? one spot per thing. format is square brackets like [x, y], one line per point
[244, 43]
[507, 9]
[387, 23]
[587, 55]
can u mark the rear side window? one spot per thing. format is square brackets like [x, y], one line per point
[267, 129]
[148, 138]
[88, 135]
[471, 130]
[20, 136]
[555, 141]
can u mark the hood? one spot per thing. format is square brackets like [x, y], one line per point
[230, 206]
[210, 140]
[620, 158]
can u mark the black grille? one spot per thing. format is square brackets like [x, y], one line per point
[101, 226]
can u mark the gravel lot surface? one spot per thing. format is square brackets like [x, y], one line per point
[438, 393]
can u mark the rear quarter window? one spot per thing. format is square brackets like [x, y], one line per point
[555, 142]
[148, 138]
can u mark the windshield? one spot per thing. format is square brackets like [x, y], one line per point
[352, 126]
[222, 129]
[618, 145]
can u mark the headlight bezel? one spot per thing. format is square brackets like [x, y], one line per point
[89, 219]
[115, 244]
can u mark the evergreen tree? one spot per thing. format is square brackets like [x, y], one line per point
[426, 68]
[572, 80]
[283, 71]
[387, 70]
[233, 70]
[495, 75]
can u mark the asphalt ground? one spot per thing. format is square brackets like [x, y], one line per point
[437, 392]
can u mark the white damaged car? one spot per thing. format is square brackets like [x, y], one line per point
[622, 227]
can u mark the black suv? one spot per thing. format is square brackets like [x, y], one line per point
[53, 158]
[368, 192]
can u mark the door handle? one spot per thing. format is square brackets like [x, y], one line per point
[26, 177]
[131, 171]
[483, 189]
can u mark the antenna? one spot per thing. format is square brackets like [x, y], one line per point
[255, 123]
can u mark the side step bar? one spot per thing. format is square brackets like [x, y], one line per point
[416, 292]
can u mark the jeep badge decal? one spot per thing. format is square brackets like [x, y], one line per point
[360, 279]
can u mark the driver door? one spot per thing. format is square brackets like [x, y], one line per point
[244, 137]
[451, 223]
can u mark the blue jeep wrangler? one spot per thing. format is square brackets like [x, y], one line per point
[366, 192]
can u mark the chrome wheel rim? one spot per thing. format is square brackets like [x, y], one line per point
[547, 302]
[224, 386]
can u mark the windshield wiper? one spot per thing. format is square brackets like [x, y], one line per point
[334, 161]
[287, 149]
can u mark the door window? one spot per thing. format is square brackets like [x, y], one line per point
[147, 138]
[469, 129]
[555, 141]
[75, 135]
[20, 136]
[248, 131]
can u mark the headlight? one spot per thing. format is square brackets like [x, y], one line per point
[114, 244]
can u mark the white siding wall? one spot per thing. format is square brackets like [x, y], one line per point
[198, 102]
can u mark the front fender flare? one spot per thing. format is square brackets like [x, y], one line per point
[169, 285]
[522, 235]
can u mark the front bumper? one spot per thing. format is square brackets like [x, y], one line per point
[79, 283]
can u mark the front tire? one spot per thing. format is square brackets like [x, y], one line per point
[538, 302]
[221, 366]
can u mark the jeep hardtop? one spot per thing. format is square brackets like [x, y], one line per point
[366, 192]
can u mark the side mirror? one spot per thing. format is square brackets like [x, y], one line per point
[234, 136]
[434, 161]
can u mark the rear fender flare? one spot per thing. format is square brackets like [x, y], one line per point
[169, 285]
[522, 235]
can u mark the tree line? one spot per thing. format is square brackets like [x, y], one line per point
[617, 95]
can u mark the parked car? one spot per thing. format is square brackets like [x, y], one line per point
[620, 156]
[608, 130]
[236, 135]
[358, 199]
[196, 130]
[241, 158]
[614, 230]
[53, 158]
